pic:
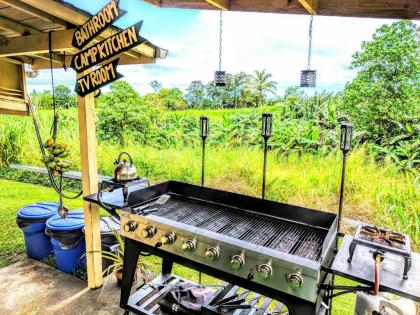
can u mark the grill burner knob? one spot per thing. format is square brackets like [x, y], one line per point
[265, 271]
[237, 262]
[130, 226]
[189, 245]
[149, 231]
[168, 238]
[212, 253]
[295, 280]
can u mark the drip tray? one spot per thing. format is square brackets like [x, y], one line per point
[146, 299]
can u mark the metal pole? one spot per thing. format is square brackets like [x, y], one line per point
[264, 167]
[203, 154]
[340, 204]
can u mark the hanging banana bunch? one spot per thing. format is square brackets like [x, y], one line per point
[55, 159]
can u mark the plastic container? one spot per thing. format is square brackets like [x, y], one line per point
[68, 240]
[108, 240]
[31, 219]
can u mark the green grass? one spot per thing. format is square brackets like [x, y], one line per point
[218, 114]
[14, 195]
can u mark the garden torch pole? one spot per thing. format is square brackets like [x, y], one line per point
[345, 146]
[267, 119]
[204, 132]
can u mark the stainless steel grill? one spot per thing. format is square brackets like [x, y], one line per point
[274, 233]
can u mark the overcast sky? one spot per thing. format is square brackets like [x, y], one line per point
[251, 41]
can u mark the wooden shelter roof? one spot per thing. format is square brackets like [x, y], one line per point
[397, 9]
[24, 28]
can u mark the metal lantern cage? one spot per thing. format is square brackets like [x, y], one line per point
[346, 136]
[308, 76]
[266, 128]
[220, 75]
[220, 78]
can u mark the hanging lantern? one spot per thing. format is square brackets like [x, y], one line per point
[219, 75]
[220, 78]
[308, 76]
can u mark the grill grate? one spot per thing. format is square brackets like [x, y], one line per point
[293, 238]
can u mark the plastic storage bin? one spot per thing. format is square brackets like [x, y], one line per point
[31, 219]
[68, 240]
[108, 239]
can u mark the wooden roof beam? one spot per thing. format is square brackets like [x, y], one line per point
[41, 63]
[36, 44]
[310, 5]
[75, 17]
[56, 58]
[36, 12]
[220, 4]
[16, 27]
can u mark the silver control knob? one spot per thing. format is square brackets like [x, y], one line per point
[168, 238]
[294, 280]
[149, 232]
[130, 226]
[212, 253]
[237, 262]
[189, 245]
[265, 271]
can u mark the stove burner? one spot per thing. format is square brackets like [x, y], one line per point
[384, 240]
[382, 236]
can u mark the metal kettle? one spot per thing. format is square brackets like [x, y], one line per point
[124, 171]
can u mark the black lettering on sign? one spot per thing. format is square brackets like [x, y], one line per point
[98, 78]
[97, 24]
[107, 48]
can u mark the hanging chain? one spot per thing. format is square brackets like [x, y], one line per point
[310, 42]
[220, 40]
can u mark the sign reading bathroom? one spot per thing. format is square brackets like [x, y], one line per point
[107, 48]
[98, 78]
[97, 24]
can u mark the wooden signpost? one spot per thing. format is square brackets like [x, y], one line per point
[102, 51]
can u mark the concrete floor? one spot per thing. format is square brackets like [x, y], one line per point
[31, 287]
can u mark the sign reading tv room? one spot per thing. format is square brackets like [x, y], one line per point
[98, 78]
[97, 24]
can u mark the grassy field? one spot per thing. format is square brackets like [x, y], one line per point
[15, 195]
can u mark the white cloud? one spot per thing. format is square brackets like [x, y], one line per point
[251, 41]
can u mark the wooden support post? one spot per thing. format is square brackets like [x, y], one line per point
[86, 109]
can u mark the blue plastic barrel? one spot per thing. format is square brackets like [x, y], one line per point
[31, 219]
[68, 240]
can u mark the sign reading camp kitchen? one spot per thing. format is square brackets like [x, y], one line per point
[107, 48]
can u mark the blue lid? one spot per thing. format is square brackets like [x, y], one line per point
[40, 210]
[73, 221]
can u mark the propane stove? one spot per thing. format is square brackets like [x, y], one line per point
[384, 241]
[263, 244]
